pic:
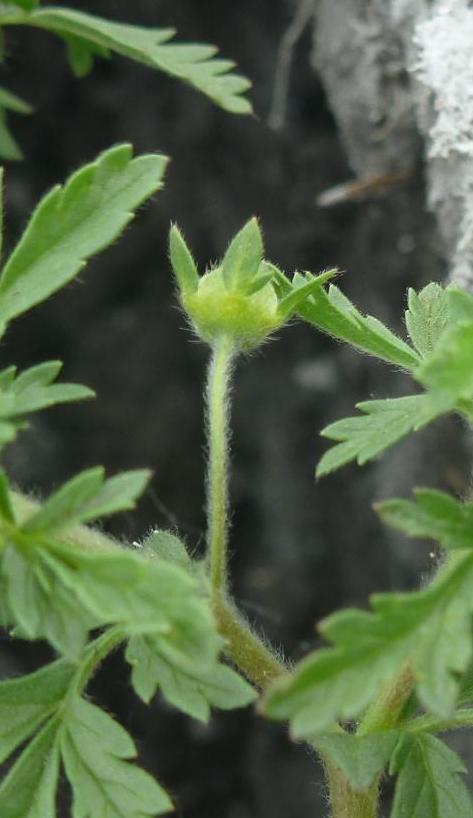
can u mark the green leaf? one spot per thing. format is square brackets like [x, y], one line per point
[41, 604]
[26, 702]
[29, 789]
[74, 222]
[87, 497]
[289, 304]
[82, 53]
[264, 275]
[11, 102]
[167, 546]
[60, 592]
[6, 509]
[434, 515]
[194, 64]
[182, 262]
[32, 390]
[333, 313]
[460, 305]
[360, 758]
[384, 422]
[429, 783]
[9, 148]
[243, 257]
[426, 317]
[185, 686]
[448, 369]
[431, 629]
[96, 752]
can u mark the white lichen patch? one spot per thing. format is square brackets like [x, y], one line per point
[444, 64]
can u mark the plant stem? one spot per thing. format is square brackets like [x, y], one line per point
[346, 802]
[251, 655]
[386, 709]
[95, 653]
[217, 473]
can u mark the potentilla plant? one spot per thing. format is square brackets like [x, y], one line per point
[391, 679]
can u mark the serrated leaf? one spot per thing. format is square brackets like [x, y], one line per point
[26, 702]
[448, 369]
[60, 592]
[429, 783]
[289, 303]
[29, 789]
[243, 257]
[96, 752]
[430, 629]
[32, 390]
[182, 262]
[85, 497]
[41, 605]
[190, 689]
[434, 515]
[333, 313]
[360, 758]
[74, 222]
[194, 64]
[426, 317]
[384, 422]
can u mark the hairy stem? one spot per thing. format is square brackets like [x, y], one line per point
[95, 653]
[217, 473]
[346, 802]
[250, 654]
[385, 711]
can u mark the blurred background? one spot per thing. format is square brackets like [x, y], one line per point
[300, 549]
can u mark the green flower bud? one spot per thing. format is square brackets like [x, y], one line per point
[245, 297]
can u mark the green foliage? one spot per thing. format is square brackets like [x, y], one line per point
[27, 702]
[87, 497]
[96, 752]
[93, 748]
[392, 676]
[426, 317]
[87, 37]
[434, 515]
[9, 148]
[448, 368]
[429, 783]
[31, 391]
[190, 688]
[241, 262]
[332, 312]
[29, 789]
[431, 629]
[383, 423]
[361, 758]
[440, 324]
[74, 222]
